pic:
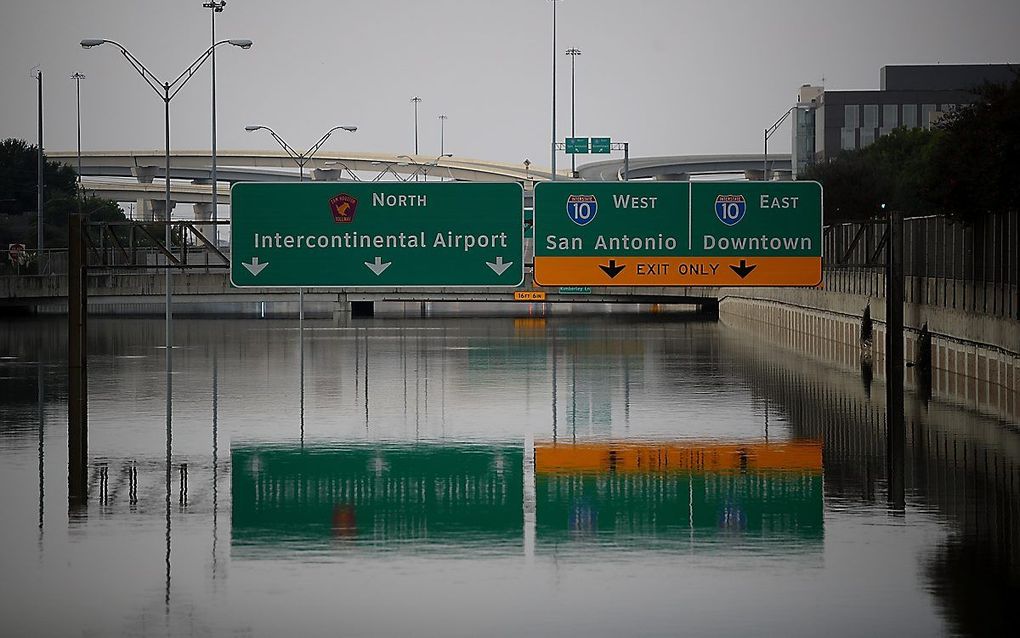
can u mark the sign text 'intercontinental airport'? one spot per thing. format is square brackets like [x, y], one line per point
[678, 234]
[376, 234]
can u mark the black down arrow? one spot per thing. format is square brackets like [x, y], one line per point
[743, 269]
[612, 269]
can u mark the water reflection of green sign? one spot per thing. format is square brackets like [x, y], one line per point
[471, 497]
[662, 506]
[385, 494]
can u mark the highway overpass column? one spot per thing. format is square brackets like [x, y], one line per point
[159, 212]
[203, 213]
[144, 175]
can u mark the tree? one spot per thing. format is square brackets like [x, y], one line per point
[965, 167]
[893, 171]
[976, 164]
[18, 179]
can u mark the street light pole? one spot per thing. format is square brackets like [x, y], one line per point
[300, 159]
[416, 100]
[442, 133]
[772, 129]
[553, 145]
[215, 6]
[573, 52]
[166, 91]
[422, 168]
[78, 77]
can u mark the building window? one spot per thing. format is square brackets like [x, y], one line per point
[850, 116]
[870, 116]
[910, 115]
[927, 115]
[848, 138]
[867, 136]
[890, 117]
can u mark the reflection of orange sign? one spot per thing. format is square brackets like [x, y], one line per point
[523, 324]
[655, 456]
[529, 295]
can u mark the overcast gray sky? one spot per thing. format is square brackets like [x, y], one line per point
[671, 77]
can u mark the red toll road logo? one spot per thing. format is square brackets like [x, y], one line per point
[343, 207]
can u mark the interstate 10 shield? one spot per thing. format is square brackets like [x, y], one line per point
[581, 209]
[730, 209]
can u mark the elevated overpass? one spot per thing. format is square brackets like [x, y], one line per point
[681, 167]
[235, 166]
[129, 175]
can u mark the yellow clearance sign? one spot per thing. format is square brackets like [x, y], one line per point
[678, 234]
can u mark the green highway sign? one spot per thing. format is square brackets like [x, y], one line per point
[332, 234]
[678, 234]
[600, 144]
[756, 219]
[577, 145]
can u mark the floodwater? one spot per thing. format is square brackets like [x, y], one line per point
[607, 475]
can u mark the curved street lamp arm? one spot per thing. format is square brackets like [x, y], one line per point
[322, 140]
[418, 166]
[147, 75]
[772, 129]
[294, 155]
[187, 73]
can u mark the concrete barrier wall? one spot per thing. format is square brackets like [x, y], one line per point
[975, 359]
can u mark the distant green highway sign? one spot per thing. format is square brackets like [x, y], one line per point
[331, 234]
[601, 144]
[577, 145]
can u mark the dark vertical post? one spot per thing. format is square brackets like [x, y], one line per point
[626, 161]
[554, 91]
[77, 363]
[895, 432]
[41, 169]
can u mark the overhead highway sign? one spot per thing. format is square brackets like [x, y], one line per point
[678, 234]
[377, 234]
[576, 145]
[601, 144]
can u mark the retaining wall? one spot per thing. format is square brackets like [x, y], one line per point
[975, 359]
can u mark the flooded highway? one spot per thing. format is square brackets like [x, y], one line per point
[619, 474]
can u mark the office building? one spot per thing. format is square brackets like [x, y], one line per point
[911, 96]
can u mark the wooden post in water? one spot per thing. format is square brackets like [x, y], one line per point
[895, 429]
[77, 362]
